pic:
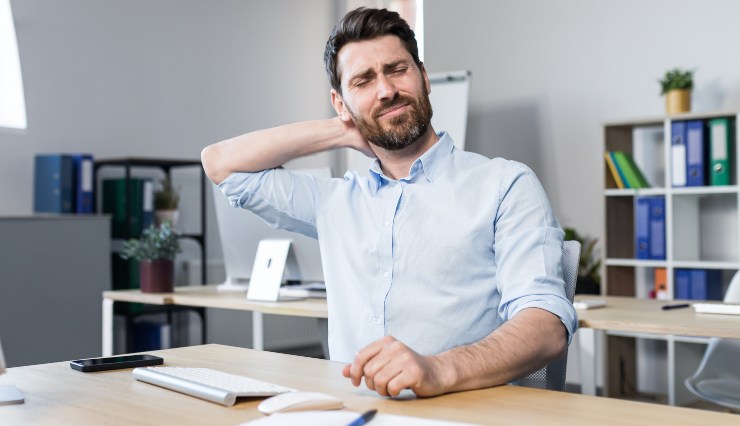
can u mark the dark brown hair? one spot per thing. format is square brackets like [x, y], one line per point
[366, 24]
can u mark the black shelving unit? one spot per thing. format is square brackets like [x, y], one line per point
[166, 166]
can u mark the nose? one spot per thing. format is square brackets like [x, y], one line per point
[385, 88]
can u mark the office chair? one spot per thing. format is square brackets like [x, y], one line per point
[718, 378]
[552, 376]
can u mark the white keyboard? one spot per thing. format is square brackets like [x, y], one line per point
[205, 383]
[716, 308]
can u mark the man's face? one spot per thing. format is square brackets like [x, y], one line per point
[384, 91]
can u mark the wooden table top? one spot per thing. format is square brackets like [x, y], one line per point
[209, 297]
[59, 395]
[646, 316]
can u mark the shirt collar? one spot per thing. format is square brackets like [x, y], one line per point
[429, 163]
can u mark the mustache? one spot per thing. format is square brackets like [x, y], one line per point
[393, 103]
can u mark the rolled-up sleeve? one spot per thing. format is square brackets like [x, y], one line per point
[528, 244]
[283, 199]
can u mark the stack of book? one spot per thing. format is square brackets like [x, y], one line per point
[660, 282]
[624, 170]
[698, 284]
[151, 336]
[650, 240]
[131, 212]
[701, 152]
[63, 183]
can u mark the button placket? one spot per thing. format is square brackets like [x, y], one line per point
[385, 260]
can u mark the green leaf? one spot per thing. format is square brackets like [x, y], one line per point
[677, 79]
[155, 243]
[588, 264]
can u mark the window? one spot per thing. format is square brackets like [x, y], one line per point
[12, 102]
[410, 10]
[413, 12]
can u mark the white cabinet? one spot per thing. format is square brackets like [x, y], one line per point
[53, 271]
[701, 232]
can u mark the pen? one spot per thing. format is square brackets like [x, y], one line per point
[364, 418]
[680, 305]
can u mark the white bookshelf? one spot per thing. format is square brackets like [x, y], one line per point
[702, 232]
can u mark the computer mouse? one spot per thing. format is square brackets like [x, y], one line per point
[299, 401]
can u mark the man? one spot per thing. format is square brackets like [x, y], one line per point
[442, 268]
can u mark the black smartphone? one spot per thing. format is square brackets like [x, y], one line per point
[115, 362]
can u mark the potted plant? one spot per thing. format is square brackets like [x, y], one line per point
[155, 250]
[676, 85]
[588, 280]
[166, 201]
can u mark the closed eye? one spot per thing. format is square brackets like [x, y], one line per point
[399, 70]
[360, 83]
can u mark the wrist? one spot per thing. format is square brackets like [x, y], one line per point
[445, 372]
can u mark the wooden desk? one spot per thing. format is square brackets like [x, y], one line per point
[209, 297]
[57, 394]
[645, 316]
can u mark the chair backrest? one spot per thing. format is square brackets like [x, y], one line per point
[552, 376]
[719, 365]
[733, 291]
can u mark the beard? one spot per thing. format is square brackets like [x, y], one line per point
[401, 131]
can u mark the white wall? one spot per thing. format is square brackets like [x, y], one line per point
[160, 78]
[547, 74]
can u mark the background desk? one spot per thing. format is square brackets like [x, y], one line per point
[645, 317]
[209, 297]
[57, 394]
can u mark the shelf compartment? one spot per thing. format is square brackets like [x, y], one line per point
[645, 144]
[620, 229]
[621, 281]
[705, 228]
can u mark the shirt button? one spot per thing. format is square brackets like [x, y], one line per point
[387, 223]
[386, 274]
[378, 320]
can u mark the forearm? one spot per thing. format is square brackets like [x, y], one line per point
[527, 342]
[270, 148]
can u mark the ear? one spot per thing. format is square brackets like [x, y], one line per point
[338, 103]
[424, 75]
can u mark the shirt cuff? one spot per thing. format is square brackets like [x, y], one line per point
[556, 305]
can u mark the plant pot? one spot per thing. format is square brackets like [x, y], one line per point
[586, 285]
[157, 276]
[167, 215]
[678, 101]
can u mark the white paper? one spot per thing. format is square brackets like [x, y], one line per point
[678, 164]
[87, 176]
[719, 143]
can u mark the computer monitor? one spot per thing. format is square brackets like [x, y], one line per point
[241, 231]
[9, 394]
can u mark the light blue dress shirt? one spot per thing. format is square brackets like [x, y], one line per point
[437, 259]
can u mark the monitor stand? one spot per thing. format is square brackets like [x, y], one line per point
[233, 284]
[10, 394]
